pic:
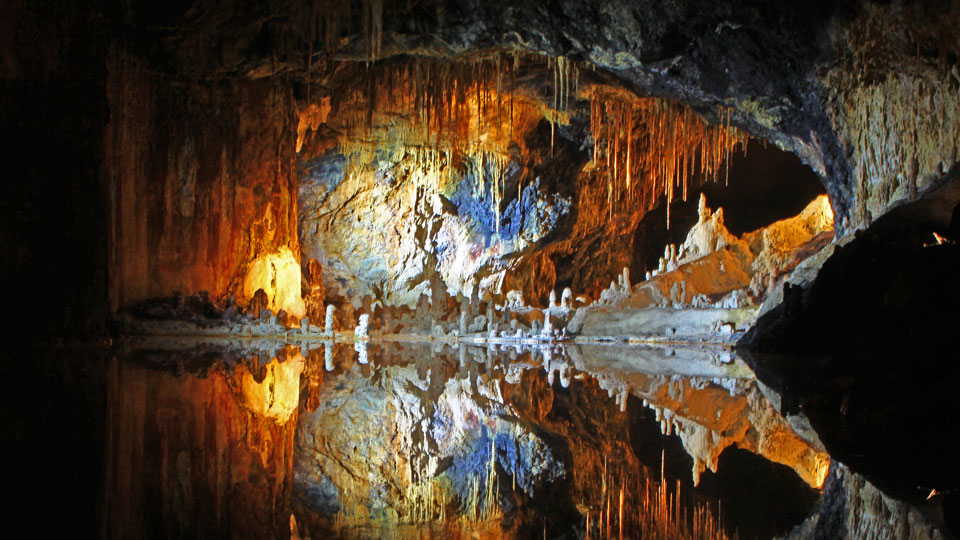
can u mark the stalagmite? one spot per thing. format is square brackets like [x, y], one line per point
[547, 331]
[361, 330]
[566, 299]
[328, 322]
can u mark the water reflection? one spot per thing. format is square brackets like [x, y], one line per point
[372, 440]
[203, 448]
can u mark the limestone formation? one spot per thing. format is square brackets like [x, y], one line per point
[547, 332]
[361, 332]
[328, 325]
[515, 299]
[360, 348]
[328, 357]
[707, 236]
[566, 299]
[478, 324]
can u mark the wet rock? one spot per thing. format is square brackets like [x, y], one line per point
[887, 281]
[852, 507]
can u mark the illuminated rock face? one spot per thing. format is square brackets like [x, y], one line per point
[191, 456]
[451, 203]
[278, 274]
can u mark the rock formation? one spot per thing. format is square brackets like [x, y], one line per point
[329, 324]
[361, 330]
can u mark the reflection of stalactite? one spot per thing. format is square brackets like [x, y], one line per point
[660, 511]
[649, 147]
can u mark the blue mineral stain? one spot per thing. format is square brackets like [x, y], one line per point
[526, 461]
[530, 216]
[324, 172]
[322, 495]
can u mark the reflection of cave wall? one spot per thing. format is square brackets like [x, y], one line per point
[416, 424]
[191, 456]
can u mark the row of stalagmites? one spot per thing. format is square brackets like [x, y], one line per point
[512, 321]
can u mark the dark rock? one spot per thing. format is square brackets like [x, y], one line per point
[258, 303]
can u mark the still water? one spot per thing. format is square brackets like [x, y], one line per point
[208, 439]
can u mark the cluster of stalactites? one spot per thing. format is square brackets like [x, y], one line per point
[438, 111]
[650, 147]
[324, 23]
[566, 77]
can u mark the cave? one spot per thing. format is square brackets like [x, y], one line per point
[451, 268]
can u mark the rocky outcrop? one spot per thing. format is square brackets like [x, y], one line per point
[720, 276]
[852, 507]
[889, 282]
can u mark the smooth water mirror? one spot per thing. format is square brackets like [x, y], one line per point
[411, 440]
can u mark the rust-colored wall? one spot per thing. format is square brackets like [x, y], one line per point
[200, 181]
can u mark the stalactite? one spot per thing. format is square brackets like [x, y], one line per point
[459, 118]
[652, 145]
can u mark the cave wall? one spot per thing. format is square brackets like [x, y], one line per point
[201, 185]
[832, 83]
[388, 210]
[893, 98]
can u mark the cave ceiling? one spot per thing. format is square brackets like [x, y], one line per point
[798, 75]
